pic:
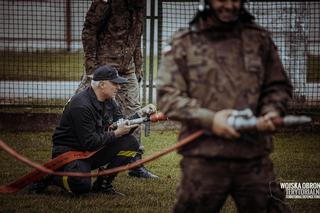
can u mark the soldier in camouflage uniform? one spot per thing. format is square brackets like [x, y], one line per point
[112, 36]
[224, 62]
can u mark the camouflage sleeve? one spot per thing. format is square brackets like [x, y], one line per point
[173, 98]
[93, 21]
[137, 55]
[276, 90]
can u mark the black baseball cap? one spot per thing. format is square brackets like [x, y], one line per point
[106, 72]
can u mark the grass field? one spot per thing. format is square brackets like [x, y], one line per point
[313, 69]
[47, 66]
[64, 66]
[41, 66]
[296, 158]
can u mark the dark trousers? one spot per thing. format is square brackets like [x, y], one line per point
[118, 153]
[206, 184]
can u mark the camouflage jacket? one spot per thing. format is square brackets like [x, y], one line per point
[112, 35]
[208, 68]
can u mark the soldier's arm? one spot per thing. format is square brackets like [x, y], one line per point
[173, 98]
[94, 20]
[137, 55]
[276, 90]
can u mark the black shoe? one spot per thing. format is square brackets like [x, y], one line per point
[112, 191]
[109, 191]
[142, 172]
[40, 185]
[103, 185]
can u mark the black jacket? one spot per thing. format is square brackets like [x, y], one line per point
[83, 123]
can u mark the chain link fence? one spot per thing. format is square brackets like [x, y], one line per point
[41, 52]
[42, 57]
[295, 28]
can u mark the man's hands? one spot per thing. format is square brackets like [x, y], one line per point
[147, 110]
[220, 126]
[265, 123]
[123, 128]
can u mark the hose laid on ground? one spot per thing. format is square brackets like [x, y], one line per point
[240, 120]
[67, 157]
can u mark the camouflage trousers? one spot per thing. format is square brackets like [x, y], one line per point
[128, 98]
[206, 184]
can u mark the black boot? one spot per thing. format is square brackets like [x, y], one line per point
[40, 185]
[141, 171]
[103, 185]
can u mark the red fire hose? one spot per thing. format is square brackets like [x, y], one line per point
[238, 122]
[67, 157]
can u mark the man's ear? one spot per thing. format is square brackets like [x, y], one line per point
[102, 84]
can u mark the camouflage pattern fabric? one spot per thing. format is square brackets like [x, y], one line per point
[208, 69]
[251, 183]
[128, 100]
[84, 83]
[112, 35]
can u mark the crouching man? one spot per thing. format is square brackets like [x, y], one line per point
[83, 127]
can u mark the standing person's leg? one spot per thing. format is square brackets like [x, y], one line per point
[128, 99]
[204, 185]
[255, 188]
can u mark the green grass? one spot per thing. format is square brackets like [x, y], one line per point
[313, 69]
[48, 66]
[41, 66]
[296, 158]
[155, 68]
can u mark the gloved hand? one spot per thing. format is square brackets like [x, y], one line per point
[123, 128]
[147, 110]
[220, 126]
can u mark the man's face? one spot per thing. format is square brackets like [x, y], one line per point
[226, 10]
[109, 89]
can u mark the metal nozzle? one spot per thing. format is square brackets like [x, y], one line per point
[296, 120]
[242, 113]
